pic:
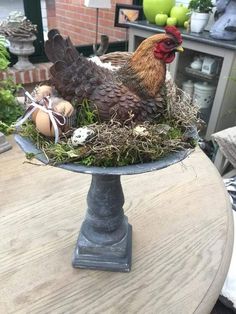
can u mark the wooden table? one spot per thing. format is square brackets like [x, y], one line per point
[182, 240]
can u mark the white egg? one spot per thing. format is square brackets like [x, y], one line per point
[81, 135]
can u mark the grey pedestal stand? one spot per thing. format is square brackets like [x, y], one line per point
[104, 240]
[4, 145]
[105, 237]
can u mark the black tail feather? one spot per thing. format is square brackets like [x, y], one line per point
[59, 49]
[52, 33]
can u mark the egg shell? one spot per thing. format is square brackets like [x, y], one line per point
[140, 130]
[42, 91]
[81, 135]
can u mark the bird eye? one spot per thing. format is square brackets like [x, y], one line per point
[168, 42]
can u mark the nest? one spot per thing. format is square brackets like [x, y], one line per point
[115, 144]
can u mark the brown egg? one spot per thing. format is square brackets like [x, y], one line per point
[62, 106]
[42, 91]
[43, 124]
[42, 119]
[34, 114]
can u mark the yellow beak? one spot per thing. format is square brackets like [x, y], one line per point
[179, 49]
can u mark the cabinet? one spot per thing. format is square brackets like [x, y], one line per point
[221, 110]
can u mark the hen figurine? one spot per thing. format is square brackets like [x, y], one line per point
[135, 91]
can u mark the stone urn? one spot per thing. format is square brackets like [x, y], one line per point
[22, 48]
[105, 237]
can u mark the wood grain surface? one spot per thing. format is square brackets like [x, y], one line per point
[182, 240]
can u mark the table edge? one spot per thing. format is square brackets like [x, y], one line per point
[211, 296]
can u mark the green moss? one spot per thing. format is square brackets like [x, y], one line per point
[113, 145]
[88, 161]
[85, 115]
[30, 156]
[174, 133]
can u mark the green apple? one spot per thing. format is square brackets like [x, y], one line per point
[152, 7]
[186, 24]
[180, 13]
[171, 21]
[161, 19]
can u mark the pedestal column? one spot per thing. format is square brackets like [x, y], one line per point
[105, 237]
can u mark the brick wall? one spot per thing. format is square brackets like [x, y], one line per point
[51, 14]
[78, 21]
[72, 18]
[37, 75]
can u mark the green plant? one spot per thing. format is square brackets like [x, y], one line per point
[4, 55]
[9, 108]
[85, 115]
[201, 6]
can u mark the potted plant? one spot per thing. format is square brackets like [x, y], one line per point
[21, 34]
[200, 10]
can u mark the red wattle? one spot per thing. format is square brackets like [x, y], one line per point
[168, 58]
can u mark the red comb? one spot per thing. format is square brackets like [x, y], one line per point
[172, 30]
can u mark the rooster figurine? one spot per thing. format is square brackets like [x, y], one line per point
[134, 92]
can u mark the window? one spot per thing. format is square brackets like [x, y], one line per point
[33, 13]
[8, 6]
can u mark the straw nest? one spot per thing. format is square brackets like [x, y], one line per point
[114, 144]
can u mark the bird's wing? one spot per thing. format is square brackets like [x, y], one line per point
[114, 100]
[74, 76]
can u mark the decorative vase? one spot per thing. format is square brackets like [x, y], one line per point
[105, 239]
[198, 22]
[204, 94]
[23, 48]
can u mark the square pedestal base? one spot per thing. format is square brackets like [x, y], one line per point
[106, 261]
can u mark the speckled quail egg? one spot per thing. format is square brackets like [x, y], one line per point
[81, 135]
